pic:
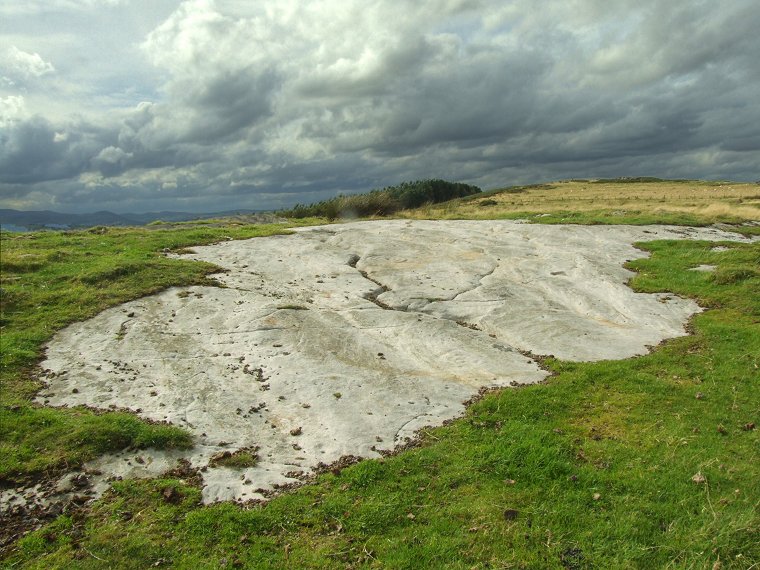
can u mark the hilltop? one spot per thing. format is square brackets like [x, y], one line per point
[640, 462]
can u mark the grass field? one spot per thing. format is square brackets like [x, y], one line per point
[609, 202]
[651, 462]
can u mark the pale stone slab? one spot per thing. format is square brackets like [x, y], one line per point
[347, 339]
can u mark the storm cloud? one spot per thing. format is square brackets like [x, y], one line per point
[208, 105]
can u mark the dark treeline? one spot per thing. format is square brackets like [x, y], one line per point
[385, 201]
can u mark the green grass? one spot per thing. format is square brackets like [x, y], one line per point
[588, 217]
[52, 279]
[591, 470]
[35, 440]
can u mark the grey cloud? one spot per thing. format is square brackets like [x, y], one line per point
[111, 160]
[472, 97]
[261, 103]
[31, 151]
[226, 103]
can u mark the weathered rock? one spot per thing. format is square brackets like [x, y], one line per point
[406, 321]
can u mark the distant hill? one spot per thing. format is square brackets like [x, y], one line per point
[20, 220]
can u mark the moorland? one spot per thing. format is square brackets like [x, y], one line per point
[638, 463]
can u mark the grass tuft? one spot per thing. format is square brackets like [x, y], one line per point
[240, 459]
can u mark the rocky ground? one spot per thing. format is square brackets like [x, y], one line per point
[343, 341]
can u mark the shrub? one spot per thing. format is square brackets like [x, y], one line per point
[383, 202]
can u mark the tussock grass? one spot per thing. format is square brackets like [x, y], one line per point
[239, 459]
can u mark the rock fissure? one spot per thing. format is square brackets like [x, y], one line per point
[372, 296]
[480, 283]
[398, 438]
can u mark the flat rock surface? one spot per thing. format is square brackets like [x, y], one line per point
[347, 339]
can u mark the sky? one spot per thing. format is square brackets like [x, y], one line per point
[213, 105]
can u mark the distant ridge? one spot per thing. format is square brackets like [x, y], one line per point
[41, 219]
